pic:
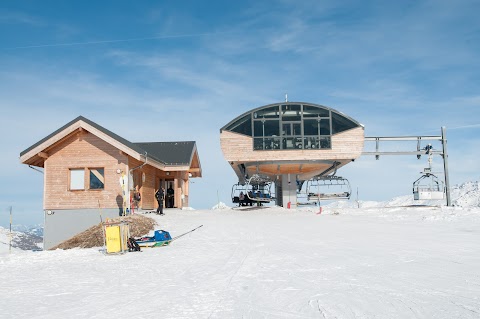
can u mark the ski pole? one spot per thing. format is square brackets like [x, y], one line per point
[176, 237]
[101, 225]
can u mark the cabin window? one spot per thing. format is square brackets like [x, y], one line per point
[291, 112]
[324, 127]
[314, 111]
[97, 178]
[291, 126]
[242, 125]
[341, 123]
[267, 113]
[296, 127]
[77, 179]
[258, 144]
[310, 127]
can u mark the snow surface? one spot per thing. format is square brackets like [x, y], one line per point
[374, 262]
[5, 241]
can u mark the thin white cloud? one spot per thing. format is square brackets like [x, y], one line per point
[11, 17]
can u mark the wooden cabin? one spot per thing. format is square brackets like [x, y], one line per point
[290, 143]
[90, 171]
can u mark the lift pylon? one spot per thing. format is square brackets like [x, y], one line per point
[443, 153]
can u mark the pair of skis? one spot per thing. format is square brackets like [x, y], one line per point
[188, 232]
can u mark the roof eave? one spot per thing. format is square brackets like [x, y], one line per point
[193, 171]
[72, 128]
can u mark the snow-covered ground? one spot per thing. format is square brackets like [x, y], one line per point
[373, 262]
[5, 241]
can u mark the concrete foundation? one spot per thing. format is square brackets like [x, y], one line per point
[61, 225]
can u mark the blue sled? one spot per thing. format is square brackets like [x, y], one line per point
[159, 239]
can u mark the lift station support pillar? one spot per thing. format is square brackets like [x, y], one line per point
[289, 190]
[445, 165]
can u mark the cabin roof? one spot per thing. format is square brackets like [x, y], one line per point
[166, 153]
[95, 125]
[170, 153]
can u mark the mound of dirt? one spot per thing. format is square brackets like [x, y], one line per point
[93, 237]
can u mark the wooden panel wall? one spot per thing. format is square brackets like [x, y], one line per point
[345, 145]
[85, 150]
[82, 150]
[147, 187]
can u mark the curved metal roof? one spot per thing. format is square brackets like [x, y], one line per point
[291, 103]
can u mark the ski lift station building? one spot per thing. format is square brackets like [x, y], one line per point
[289, 143]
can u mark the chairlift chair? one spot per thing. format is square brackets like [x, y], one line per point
[302, 195]
[258, 188]
[316, 186]
[428, 186]
[236, 190]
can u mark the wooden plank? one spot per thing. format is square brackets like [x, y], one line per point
[43, 155]
[345, 145]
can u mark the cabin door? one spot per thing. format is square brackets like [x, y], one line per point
[169, 186]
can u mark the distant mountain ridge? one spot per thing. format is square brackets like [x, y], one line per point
[36, 230]
[20, 240]
[464, 195]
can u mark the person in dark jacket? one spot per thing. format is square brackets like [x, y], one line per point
[159, 195]
[170, 197]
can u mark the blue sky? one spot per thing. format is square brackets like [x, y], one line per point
[170, 70]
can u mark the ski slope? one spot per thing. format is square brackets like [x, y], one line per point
[377, 262]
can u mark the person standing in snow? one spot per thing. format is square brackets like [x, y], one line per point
[241, 199]
[159, 195]
[170, 197]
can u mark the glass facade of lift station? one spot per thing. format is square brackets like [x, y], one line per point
[291, 126]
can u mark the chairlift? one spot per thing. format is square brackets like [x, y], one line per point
[328, 188]
[428, 186]
[259, 188]
[301, 193]
[236, 190]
